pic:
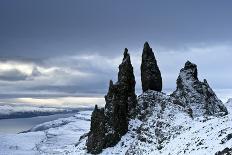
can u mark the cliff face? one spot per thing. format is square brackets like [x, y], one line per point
[120, 107]
[197, 95]
[150, 73]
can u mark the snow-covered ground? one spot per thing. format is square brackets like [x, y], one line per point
[55, 137]
[200, 136]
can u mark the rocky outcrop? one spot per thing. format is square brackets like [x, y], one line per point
[196, 95]
[225, 151]
[150, 73]
[96, 137]
[157, 123]
[109, 124]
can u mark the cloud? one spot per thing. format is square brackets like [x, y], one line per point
[55, 102]
[88, 75]
[12, 75]
[213, 63]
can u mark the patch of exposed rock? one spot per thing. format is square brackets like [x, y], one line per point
[150, 73]
[226, 151]
[109, 124]
[196, 95]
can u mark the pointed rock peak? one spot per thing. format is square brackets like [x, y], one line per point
[189, 65]
[147, 50]
[192, 68]
[150, 73]
[126, 54]
[146, 45]
[126, 72]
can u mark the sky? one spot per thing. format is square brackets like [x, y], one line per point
[62, 49]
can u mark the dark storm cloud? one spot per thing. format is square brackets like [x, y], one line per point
[34, 29]
[60, 47]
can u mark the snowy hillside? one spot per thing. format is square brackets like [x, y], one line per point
[55, 137]
[193, 136]
[173, 132]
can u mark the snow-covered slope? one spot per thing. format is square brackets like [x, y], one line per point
[169, 132]
[55, 137]
[167, 129]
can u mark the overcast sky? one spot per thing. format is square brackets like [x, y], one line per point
[73, 48]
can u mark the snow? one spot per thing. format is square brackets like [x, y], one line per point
[186, 136]
[20, 144]
[55, 137]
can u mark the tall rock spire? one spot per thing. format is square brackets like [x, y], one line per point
[150, 73]
[121, 102]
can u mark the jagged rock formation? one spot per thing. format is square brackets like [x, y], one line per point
[108, 125]
[196, 95]
[150, 73]
[157, 123]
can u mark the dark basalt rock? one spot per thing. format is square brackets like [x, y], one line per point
[193, 67]
[225, 151]
[195, 94]
[150, 73]
[126, 79]
[120, 106]
[96, 136]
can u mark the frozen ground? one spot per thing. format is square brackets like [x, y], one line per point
[203, 136]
